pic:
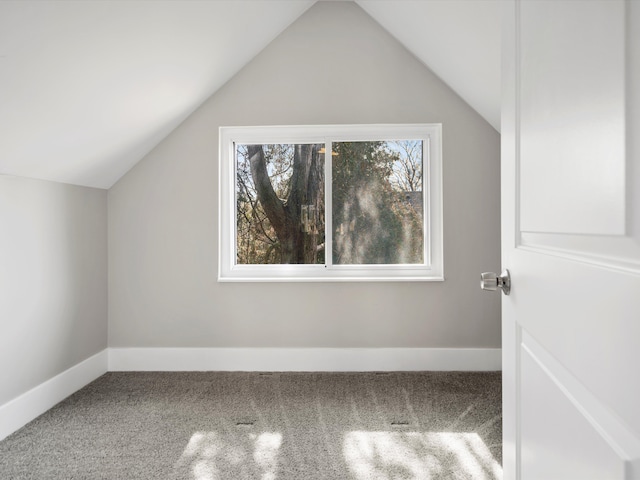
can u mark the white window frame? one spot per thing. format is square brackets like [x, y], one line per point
[431, 270]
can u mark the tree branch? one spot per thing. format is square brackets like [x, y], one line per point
[272, 205]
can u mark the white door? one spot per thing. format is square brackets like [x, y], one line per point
[571, 239]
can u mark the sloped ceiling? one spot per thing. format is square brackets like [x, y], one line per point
[459, 40]
[88, 88]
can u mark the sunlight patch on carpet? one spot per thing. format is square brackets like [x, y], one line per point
[419, 456]
[207, 455]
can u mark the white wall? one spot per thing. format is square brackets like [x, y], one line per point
[333, 65]
[53, 280]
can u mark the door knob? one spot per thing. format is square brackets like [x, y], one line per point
[492, 281]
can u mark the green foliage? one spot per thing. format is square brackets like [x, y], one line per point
[374, 223]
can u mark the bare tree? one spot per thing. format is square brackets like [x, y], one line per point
[297, 240]
[407, 168]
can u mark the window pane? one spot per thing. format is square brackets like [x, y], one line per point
[279, 204]
[378, 202]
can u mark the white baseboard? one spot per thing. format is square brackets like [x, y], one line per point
[305, 359]
[21, 410]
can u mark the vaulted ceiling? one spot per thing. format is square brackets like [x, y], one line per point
[89, 88]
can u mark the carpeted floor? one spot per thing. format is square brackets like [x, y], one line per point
[279, 426]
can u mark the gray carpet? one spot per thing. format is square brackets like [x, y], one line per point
[280, 426]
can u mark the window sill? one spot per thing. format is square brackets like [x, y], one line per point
[319, 273]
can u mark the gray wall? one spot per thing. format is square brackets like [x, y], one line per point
[53, 280]
[333, 65]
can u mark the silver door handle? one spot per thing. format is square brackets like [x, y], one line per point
[492, 281]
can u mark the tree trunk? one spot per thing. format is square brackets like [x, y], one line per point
[298, 241]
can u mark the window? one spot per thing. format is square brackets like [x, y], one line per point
[330, 203]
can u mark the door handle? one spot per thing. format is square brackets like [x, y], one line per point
[492, 281]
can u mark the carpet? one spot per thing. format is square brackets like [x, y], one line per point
[267, 426]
